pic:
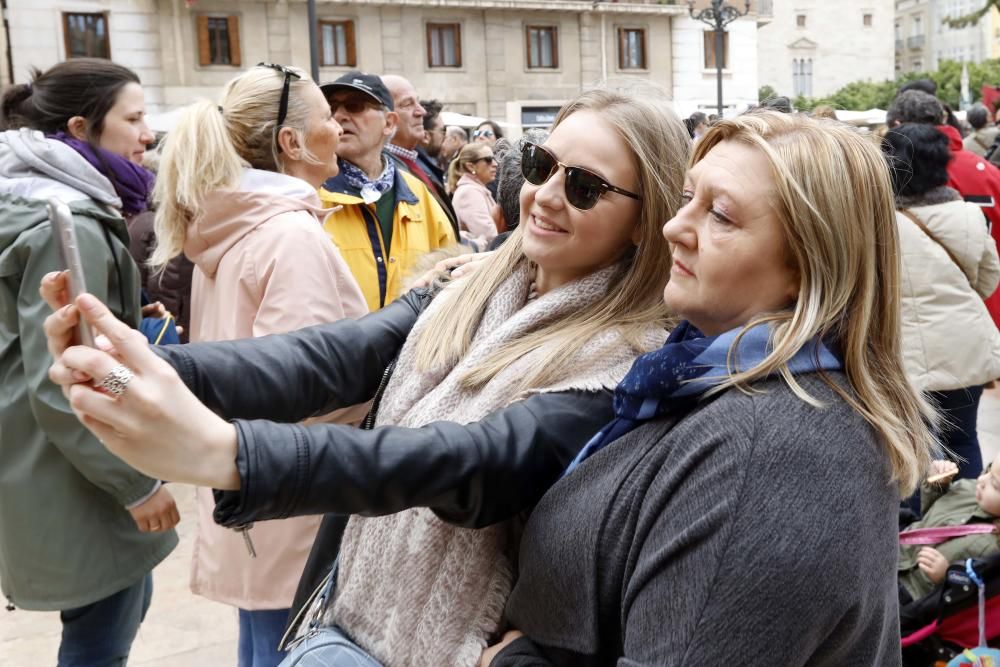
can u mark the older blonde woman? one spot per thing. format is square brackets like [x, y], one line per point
[469, 174]
[237, 193]
[742, 506]
[522, 353]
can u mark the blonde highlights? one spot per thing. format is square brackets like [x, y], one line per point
[212, 145]
[468, 155]
[833, 197]
[634, 302]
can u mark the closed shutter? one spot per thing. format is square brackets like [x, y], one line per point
[204, 50]
[234, 41]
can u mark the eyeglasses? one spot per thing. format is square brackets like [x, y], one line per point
[583, 187]
[483, 133]
[352, 105]
[490, 158]
[285, 86]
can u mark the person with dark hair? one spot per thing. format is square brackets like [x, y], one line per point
[80, 530]
[983, 134]
[487, 132]
[509, 177]
[782, 104]
[430, 147]
[923, 85]
[975, 179]
[951, 347]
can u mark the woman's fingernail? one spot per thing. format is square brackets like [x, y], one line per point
[87, 302]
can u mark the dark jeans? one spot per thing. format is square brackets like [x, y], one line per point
[260, 634]
[959, 410]
[101, 634]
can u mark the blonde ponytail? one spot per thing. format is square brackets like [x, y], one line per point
[198, 158]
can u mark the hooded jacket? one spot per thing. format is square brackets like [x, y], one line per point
[263, 265]
[66, 539]
[949, 339]
[971, 175]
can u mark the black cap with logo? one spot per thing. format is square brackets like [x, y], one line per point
[368, 84]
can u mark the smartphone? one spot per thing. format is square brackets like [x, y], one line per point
[64, 233]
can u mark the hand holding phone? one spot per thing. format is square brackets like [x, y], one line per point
[64, 234]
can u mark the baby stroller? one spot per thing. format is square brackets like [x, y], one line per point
[937, 627]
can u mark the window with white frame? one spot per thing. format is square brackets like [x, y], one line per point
[802, 72]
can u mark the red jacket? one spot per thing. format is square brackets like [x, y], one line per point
[972, 175]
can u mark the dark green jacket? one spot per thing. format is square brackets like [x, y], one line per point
[955, 507]
[66, 539]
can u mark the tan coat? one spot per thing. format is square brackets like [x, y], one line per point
[949, 339]
[264, 265]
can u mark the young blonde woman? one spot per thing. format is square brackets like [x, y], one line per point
[468, 176]
[493, 387]
[237, 193]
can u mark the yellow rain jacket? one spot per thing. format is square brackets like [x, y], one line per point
[419, 226]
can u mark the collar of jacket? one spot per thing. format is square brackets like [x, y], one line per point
[939, 195]
[343, 193]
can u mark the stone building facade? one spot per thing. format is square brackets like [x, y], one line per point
[512, 60]
[923, 39]
[814, 47]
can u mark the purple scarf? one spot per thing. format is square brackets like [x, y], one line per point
[132, 183]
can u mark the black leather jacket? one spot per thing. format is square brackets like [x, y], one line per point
[472, 475]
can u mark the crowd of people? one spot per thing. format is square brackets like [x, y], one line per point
[675, 414]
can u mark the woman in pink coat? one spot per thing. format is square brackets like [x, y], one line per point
[467, 178]
[237, 194]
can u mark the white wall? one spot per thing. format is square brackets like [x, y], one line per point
[844, 49]
[695, 86]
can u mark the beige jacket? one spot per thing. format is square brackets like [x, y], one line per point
[263, 265]
[949, 339]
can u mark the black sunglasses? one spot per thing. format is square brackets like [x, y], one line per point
[283, 104]
[352, 105]
[490, 158]
[583, 187]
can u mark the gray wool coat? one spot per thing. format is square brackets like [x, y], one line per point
[754, 530]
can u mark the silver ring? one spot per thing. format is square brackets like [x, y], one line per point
[117, 380]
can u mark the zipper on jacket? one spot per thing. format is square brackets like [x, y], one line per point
[247, 540]
[369, 422]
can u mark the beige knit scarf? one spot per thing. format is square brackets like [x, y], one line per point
[413, 590]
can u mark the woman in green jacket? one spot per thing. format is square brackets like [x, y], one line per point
[80, 531]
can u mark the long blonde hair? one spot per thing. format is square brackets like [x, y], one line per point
[211, 145]
[469, 154]
[659, 151]
[833, 197]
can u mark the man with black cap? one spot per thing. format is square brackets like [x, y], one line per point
[388, 218]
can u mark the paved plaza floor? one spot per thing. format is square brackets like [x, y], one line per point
[183, 630]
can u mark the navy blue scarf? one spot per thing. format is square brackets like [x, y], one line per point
[132, 183]
[673, 378]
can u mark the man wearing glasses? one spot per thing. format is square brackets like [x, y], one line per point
[388, 218]
[409, 136]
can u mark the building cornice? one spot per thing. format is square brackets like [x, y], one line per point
[576, 6]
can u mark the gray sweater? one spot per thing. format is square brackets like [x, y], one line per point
[756, 530]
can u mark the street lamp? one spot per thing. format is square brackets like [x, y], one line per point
[718, 16]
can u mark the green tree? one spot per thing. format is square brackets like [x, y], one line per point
[974, 16]
[863, 95]
[766, 92]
